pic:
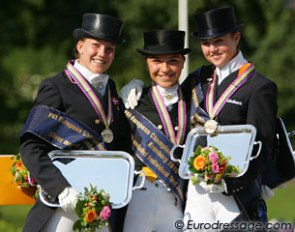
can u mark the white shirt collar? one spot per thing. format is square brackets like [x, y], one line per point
[97, 80]
[235, 64]
[170, 95]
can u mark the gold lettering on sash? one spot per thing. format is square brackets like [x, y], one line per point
[139, 147]
[161, 153]
[56, 137]
[158, 152]
[137, 122]
[53, 116]
[100, 147]
[67, 143]
[160, 143]
[159, 167]
[75, 128]
[196, 120]
[86, 134]
[195, 98]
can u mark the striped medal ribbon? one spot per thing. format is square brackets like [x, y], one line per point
[76, 77]
[165, 117]
[245, 73]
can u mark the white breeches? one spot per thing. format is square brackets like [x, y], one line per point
[62, 221]
[152, 209]
[209, 208]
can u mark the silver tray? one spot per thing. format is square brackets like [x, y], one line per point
[235, 141]
[112, 171]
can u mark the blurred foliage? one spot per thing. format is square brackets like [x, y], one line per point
[280, 209]
[12, 217]
[36, 41]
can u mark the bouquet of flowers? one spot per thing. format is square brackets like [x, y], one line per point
[210, 165]
[21, 175]
[93, 209]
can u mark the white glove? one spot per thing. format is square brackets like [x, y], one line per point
[131, 93]
[266, 192]
[68, 199]
[213, 188]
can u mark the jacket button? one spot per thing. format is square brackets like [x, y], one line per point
[160, 127]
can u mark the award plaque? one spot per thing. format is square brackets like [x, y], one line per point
[234, 141]
[112, 171]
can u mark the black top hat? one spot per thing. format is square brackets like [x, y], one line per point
[99, 26]
[162, 42]
[216, 22]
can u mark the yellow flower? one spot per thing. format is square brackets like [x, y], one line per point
[199, 163]
[90, 216]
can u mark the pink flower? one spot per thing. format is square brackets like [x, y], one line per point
[215, 168]
[105, 213]
[213, 157]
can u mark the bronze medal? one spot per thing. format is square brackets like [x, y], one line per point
[107, 135]
[211, 127]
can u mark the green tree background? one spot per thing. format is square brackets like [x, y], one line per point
[36, 41]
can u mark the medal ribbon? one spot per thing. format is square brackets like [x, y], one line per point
[165, 117]
[74, 74]
[245, 73]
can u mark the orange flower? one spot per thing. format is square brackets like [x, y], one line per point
[90, 216]
[199, 163]
[19, 165]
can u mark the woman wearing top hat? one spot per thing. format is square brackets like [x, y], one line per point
[253, 102]
[84, 93]
[158, 122]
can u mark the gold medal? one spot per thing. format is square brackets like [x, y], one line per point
[211, 127]
[107, 135]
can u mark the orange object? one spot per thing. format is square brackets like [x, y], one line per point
[10, 194]
[149, 174]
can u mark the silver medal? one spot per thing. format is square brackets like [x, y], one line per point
[107, 135]
[211, 127]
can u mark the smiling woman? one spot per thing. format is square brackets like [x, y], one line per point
[163, 110]
[165, 69]
[96, 55]
[85, 101]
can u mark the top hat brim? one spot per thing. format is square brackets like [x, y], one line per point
[216, 33]
[159, 52]
[81, 33]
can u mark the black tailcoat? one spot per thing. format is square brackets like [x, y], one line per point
[60, 93]
[253, 103]
[147, 107]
